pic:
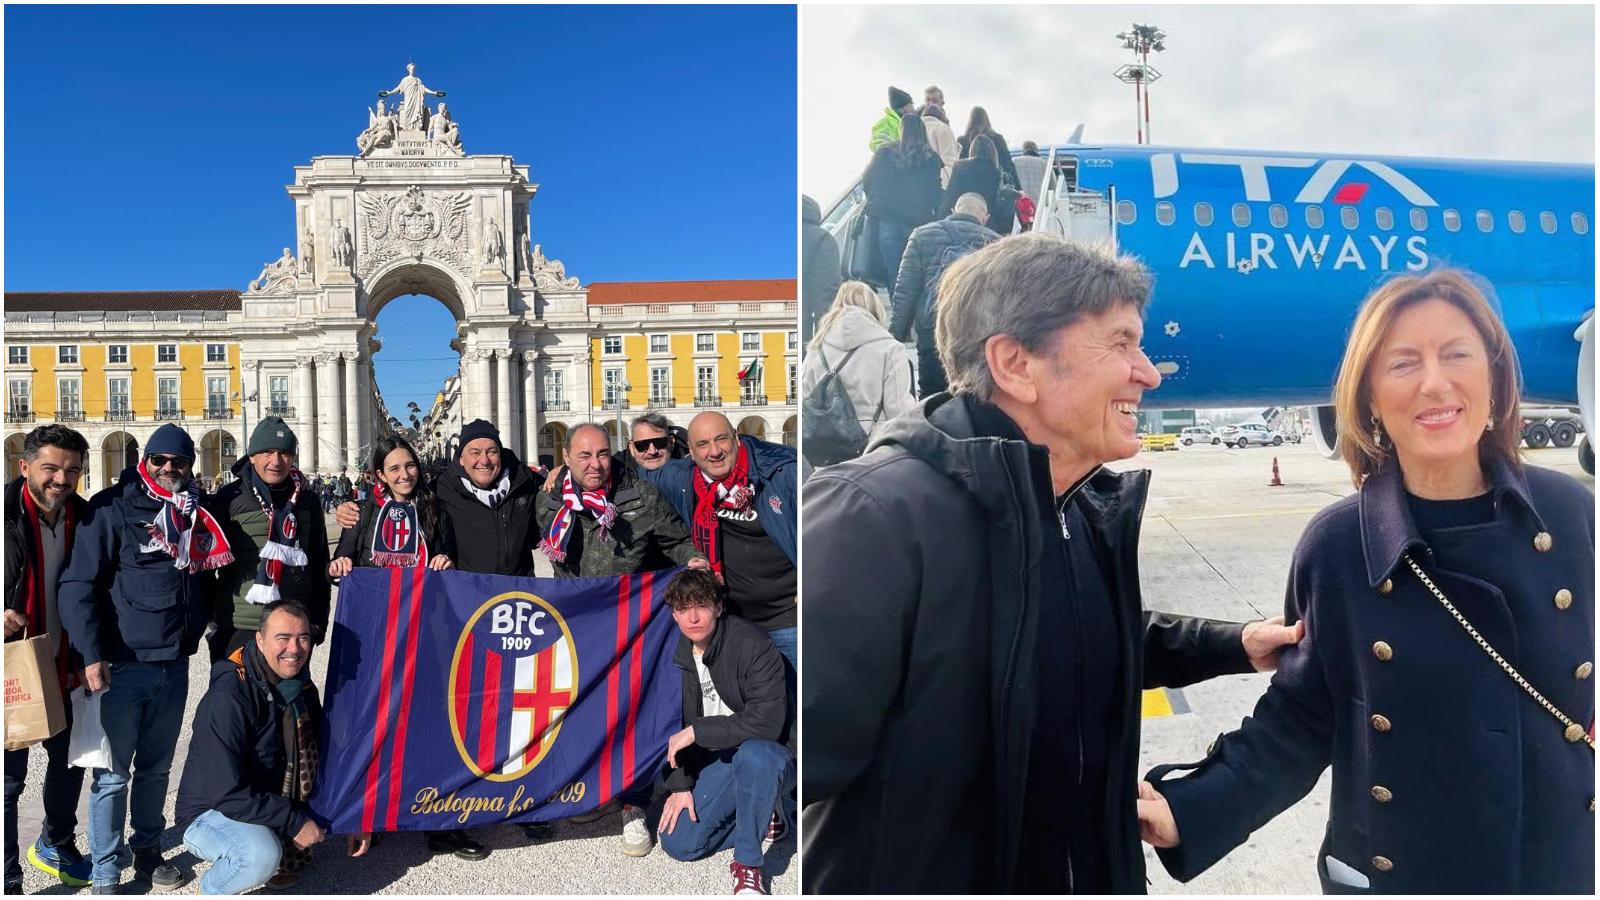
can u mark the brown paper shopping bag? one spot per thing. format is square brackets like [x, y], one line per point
[34, 709]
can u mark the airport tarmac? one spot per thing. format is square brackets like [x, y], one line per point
[1217, 542]
[582, 859]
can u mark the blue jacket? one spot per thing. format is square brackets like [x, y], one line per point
[772, 473]
[120, 604]
[1447, 776]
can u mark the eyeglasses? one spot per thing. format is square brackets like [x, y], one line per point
[659, 443]
[161, 462]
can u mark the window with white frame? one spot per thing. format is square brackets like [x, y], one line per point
[660, 385]
[1547, 222]
[794, 340]
[554, 391]
[166, 396]
[166, 353]
[216, 353]
[705, 383]
[750, 390]
[658, 343]
[278, 392]
[117, 395]
[67, 354]
[794, 373]
[1580, 223]
[705, 342]
[217, 393]
[611, 345]
[17, 354]
[20, 396]
[69, 397]
[750, 340]
[613, 387]
[1516, 221]
[117, 354]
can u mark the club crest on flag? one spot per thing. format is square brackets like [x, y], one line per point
[513, 677]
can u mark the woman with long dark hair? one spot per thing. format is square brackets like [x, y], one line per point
[400, 524]
[978, 125]
[979, 174]
[902, 187]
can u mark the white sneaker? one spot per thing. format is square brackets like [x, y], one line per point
[635, 833]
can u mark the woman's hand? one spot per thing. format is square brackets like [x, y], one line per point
[440, 562]
[357, 844]
[340, 567]
[1157, 827]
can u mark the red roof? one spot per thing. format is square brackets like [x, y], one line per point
[605, 293]
[130, 301]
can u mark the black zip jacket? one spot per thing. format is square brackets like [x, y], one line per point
[747, 669]
[920, 659]
[497, 541]
[356, 542]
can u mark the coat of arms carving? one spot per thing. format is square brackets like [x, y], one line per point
[415, 224]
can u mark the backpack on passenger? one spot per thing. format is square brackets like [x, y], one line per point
[829, 427]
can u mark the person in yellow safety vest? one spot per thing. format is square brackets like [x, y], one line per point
[887, 129]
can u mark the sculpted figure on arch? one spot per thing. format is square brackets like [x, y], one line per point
[413, 111]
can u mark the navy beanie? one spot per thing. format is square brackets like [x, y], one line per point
[898, 98]
[170, 440]
[478, 428]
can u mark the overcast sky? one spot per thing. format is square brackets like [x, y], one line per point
[1496, 82]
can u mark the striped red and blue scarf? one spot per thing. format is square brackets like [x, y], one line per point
[573, 502]
[184, 529]
[283, 536]
[397, 538]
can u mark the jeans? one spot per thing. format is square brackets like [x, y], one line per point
[142, 712]
[788, 645]
[734, 798]
[62, 787]
[892, 237]
[242, 856]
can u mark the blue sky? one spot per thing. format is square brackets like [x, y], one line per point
[166, 136]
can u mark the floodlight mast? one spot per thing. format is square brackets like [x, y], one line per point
[1141, 39]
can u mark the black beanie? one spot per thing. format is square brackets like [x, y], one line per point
[898, 98]
[478, 428]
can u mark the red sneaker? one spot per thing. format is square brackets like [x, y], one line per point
[777, 830]
[746, 879]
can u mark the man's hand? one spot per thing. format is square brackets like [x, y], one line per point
[677, 802]
[340, 567]
[1156, 825]
[440, 562]
[698, 562]
[309, 835]
[357, 844]
[97, 676]
[347, 514]
[1263, 640]
[550, 480]
[15, 622]
[682, 739]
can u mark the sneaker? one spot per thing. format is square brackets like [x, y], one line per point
[283, 881]
[596, 814]
[777, 829]
[149, 866]
[64, 863]
[746, 879]
[635, 833]
[539, 832]
[458, 843]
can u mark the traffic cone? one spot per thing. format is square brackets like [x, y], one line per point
[1276, 481]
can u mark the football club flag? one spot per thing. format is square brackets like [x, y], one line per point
[456, 699]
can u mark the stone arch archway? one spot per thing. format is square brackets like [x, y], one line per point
[218, 450]
[553, 437]
[14, 454]
[755, 426]
[118, 451]
[791, 431]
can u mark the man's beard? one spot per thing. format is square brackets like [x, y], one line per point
[44, 501]
[173, 483]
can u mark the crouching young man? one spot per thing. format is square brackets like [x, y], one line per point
[252, 760]
[730, 767]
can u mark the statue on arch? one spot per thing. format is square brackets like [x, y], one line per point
[307, 249]
[274, 272]
[494, 251]
[413, 111]
[342, 247]
[443, 130]
[380, 129]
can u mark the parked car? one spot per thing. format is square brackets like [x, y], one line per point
[1191, 436]
[1250, 433]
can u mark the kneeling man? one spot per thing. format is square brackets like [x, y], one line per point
[253, 758]
[730, 765]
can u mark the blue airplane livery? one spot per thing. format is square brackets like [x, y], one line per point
[1261, 259]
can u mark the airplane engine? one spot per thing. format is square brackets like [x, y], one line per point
[1325, 431]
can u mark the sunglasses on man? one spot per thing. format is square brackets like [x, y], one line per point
[660, 443]
[161, 462]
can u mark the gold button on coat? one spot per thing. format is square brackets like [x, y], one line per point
[1381, 793]
[1383, 651]
[1380, 723]
[1584, 671]
[1563, 598]
[1574, 732]
[1382, 863]
[1542, 542]
[1386, 587]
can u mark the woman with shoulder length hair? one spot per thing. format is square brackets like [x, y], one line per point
[903, 189]
[979, 174]
[1446, 670]
[853, 342]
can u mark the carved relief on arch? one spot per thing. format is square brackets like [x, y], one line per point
[414, 224]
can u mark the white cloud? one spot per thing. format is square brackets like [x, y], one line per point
[1492, 82]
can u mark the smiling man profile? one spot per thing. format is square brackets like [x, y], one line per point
[973, 619]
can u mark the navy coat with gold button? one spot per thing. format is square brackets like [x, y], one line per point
[1447, 775]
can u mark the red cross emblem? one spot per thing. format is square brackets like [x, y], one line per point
[397, 532]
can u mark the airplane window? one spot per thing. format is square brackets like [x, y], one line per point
[1278, 216]
[1349, 217]
[1164, 213]
[1383, 217]
[1517, 221]
[1485, 221]
[1202, 214]
[1313, 217]
[1547, 222]
[1419, 219]
[1580, 223]
[1452, 220]
[1126, 212]
[1241, 215]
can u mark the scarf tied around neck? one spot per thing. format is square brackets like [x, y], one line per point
[397, 538]
[283, 536]
[574, 502]
[733, 491]
[183, 529]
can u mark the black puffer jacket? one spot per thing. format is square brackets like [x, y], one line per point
[920, 654]
[356, 542]
[932, 248]
[819, 262]
[747, 670]
[497, 541]
[908, 195]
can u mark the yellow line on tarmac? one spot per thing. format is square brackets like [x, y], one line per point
[1154, 704]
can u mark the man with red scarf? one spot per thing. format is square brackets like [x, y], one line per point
[42, 507]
